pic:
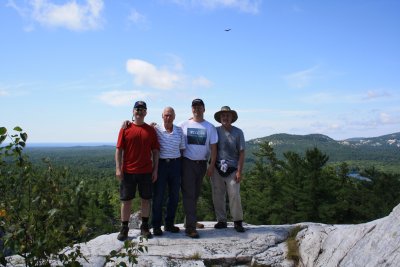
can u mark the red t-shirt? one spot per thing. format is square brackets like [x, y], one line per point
[137, 141]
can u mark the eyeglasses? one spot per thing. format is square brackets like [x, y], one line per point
[140, 109]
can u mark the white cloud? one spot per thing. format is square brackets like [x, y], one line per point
[321, 98]
[247, 6]
[146, 74]
[164, 78]
[386, 118]
[302, 78]
[71, 15]
[201, 82]
[373, 94]
[138, 19]
[3, 93]
[121, 98]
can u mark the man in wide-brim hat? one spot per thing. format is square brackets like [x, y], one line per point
[226, 109]
[228, 169]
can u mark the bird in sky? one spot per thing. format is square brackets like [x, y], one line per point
[227, 30]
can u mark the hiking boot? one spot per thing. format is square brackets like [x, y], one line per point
[157, 231]
[192, 233]
[145, 231]
[123, 234]
[171, 228]
[199, 225]
[220, 225]
[238, 226]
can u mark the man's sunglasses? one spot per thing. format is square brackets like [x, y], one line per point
[140, 109]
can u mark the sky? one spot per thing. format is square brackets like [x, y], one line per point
[70, 71]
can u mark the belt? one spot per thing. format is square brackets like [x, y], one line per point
[197, 161]
[168, 160]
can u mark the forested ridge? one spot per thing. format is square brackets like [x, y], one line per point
[52, 197]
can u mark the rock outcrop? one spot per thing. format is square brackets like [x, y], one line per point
[376, 243]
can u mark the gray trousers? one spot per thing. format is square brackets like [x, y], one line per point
[192, 180]
[220, 186]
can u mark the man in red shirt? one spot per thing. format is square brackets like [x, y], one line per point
[136, 159]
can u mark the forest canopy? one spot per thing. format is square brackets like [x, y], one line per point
[55, 197]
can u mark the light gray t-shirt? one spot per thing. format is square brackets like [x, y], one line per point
[230, 143]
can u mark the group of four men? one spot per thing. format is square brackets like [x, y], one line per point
[153, 157]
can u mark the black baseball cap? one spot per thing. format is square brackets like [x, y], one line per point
[197, 102]
[140, 104]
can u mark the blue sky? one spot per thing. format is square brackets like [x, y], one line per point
[70, 71]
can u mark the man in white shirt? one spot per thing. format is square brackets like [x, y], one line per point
[201, 144]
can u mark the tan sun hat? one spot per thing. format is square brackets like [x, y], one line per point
[217, 115]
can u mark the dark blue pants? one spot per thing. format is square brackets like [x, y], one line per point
[169, 177]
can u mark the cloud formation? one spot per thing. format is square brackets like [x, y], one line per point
[201, 82]
[138, 19]
[165, 78]
[302, 78]
[121, 98]
[146, 74]
[3, 93]
[373, 94]
[247, 6]
[70, 15]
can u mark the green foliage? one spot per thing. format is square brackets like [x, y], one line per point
[52, 204]
[305, 188]
[130, 250]
[44, 209]
[70, 258]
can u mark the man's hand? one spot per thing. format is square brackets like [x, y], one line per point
[154, 176]
[238, 177]
[125, 124]
[119, 174]
[210, 170]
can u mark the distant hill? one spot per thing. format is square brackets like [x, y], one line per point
[382, 152]
[378, 151]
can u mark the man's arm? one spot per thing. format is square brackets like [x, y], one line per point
[240, 166]
[125, 124]
[156, 156]
[213, 158]
[118, 164]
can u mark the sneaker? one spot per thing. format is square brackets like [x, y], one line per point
[220, 225]
[145, 231]
[238, 226]
[192, 233]
[123, 234]
[157, 231]
[171, 228]
[199, 225]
